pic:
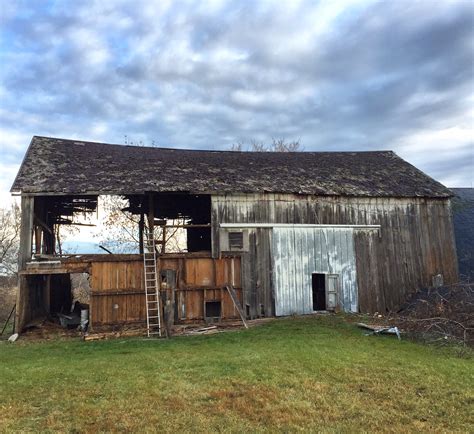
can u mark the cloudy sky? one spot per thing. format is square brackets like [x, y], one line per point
[338, 75]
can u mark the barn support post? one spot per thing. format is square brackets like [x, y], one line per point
[141, 225]
[24, 255]
[151, 213]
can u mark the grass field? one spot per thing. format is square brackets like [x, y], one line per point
[312, 373]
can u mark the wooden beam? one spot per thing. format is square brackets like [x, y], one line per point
[187, 226]
[141, 226]
[131, 291]
[237, 305]
[24, 255]
[151, 213]
[41, 223]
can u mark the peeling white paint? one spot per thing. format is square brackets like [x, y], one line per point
[298, 252]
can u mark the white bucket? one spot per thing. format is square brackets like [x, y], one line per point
[84, 319]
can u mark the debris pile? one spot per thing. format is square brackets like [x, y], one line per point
[444, 314]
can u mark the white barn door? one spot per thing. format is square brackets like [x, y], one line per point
[298, 253]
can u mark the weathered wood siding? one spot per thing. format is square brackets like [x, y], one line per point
[300, 252]
[415, 243]
[118, 295]
[117, 292]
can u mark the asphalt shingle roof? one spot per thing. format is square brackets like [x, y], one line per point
[60, 166]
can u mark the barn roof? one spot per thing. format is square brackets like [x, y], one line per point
[59, 166]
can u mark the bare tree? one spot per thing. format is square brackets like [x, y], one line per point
[277, 145]
[9, 239]
[121, 233]
[121, 227]
[131, 142]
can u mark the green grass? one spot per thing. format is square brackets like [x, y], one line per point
[312, 373]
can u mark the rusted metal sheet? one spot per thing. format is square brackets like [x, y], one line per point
[300, 252]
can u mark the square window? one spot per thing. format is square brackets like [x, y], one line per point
[236, 240]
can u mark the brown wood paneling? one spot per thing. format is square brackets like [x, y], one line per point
[117, 289]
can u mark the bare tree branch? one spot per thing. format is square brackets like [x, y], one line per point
[277, 145]
[9, 239]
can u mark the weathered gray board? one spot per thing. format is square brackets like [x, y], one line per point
[415, 242]
[300, 252]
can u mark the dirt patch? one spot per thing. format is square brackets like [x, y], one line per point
[248, 400]
[45, 330]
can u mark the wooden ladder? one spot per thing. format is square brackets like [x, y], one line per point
[152, 290]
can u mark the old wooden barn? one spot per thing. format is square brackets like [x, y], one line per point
[289, 233]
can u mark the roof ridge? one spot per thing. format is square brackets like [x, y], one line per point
[387, 151]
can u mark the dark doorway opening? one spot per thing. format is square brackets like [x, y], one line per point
[319, 291]
[212, 309]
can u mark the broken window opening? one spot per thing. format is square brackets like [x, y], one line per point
[106, 224]
[54, 212]
[188, 215]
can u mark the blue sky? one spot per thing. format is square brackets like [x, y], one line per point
[337, 75]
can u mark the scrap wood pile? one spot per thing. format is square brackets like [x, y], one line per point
[195, 329]
[44, 329]
[444, 314]
[177, 330]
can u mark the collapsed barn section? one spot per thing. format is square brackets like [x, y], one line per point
[269, 234]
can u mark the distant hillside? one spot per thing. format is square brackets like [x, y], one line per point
[463, 216]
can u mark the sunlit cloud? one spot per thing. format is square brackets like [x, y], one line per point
[339, 75]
